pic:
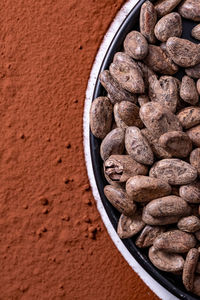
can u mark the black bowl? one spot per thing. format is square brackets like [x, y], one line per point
[171, 282]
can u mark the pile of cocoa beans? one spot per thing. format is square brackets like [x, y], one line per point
[149, 124]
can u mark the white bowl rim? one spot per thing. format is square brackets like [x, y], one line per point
[159, 290]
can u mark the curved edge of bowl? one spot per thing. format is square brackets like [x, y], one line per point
[159, 290]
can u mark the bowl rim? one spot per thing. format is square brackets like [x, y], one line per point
[128, 8]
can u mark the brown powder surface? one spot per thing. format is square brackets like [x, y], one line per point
[53, 242]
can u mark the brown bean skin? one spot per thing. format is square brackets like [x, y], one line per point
[113, 143]
[190, 9]
[101, 117]
[189, 224]
[120, 200]
[183, 52]
[168, 26]
[167, 262]
[189, 116]
[115, 92]
[158, 119]
[188, 91]
[175, 241]
[130, 226]
[119, 168]
[148, 18]
[144, 188]
[159, 62]
[129, 113]
[168, 206]
[198, 86]
[164, 91]
[193, 72]
[136, 45]
[137, 146]
[195, 159]
[194, 135]
[148, 235]
[191, 192]
[174, 171]
[177, 143]
[196, 32]
[163, 7]
[189, 268]
[127, 73]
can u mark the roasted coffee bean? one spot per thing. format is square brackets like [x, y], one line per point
[164, 91]
[168, 26]
[189, 268]
[120, 168]
[159, 151]
[159, 62]
[142, 99]
[148, 235]
[145, 188]
[101, 117]
[189, 116]
[120, 200]
[167, 207]
[115, 92]
[129, 113]
[158, 119]
[113, 143]
[130, 226]
[190, 9]
[194, 135]
[168, 262]
[193, 72]
[196, 32]
[163, 7]
[183, 52]
[188, 91]
[148, 18]
[174, 171]
[195, 159]
[191, 192]
[175, 241]
[136, 45]
[137, 146]
[189, 224]
[177, 143]
[127, 73]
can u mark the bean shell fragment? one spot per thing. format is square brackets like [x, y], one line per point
[137, 146]
[119, 168]
[167, 262]
[175, 241]
[120, 200]
[143, 188]
[174, 171]
[148, 235]
[130, 226]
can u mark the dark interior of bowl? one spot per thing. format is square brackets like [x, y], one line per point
[169, 281]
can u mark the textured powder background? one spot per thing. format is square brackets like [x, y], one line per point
[53, 243]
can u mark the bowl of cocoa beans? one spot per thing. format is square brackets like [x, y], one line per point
[145, 140]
